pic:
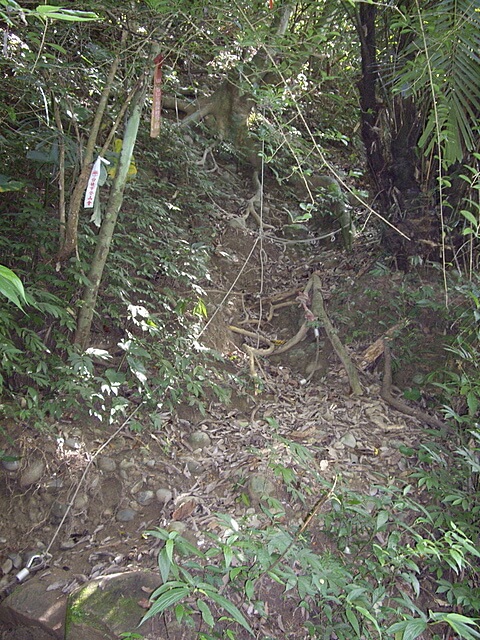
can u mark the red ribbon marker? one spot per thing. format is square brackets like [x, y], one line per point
[156, 98]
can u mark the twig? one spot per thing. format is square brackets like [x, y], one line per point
[305, 524]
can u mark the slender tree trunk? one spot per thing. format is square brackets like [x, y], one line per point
[69, 237]
[104, 239]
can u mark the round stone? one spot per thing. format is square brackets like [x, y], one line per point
[126, 515]
[11, 465]
[260, 487]
[32, 473]
[163, 495]
[145, 497]
[107, 465]
[199, 440]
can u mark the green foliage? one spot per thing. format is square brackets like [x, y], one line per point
[14, 12]
[150, 314]
[11, 287]
[443, 51]
[364, 581]
[459, 380]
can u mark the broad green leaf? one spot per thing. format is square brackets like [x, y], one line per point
[169, 545]
[228, 555]
[462, 625]
[8, 184]
[166, 600]
[369, 616]
[249, 589]
[470, 217]
[206, 613]
[164, 564]
[57, 13]
[231, 609]
[11, 287]
[353, 620]
[414, 628]
[408, 629]
[382, 519]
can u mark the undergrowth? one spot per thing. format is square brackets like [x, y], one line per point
[390, 564]
[149, 316]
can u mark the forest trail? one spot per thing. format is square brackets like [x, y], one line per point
[84, 493]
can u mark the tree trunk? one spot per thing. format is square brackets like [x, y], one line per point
[104, 239]
[377, 156]
[390, 132]
[68, 238]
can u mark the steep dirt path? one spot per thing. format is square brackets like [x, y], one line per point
[90, 511]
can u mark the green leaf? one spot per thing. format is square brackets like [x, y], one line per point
[382, 519]
[408, 629]
[11, 287]
[206, 613]
[164, 564]
[249, 589]
[353, 620]
[231, 609]
[460, 624]
[8, 184]
[470, 217]
[57, 13]
[169, 545]
[170, 597]
[369, 616]
[228, 555]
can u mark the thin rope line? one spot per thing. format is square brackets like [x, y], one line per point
[225, 297]
[86, 470]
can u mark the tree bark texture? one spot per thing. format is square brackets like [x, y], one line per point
[104, 239]
[69, 237]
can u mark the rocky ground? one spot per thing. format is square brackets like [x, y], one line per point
[83, 493]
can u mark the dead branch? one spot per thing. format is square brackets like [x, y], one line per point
[375, 350]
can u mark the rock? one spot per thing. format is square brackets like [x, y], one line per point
[54, 484]
[144, 497]
[126, 515]
[32, 473]
[127, 464]
[16, 559]
[65, 545]
[349, 440]
[81, 501]
[260, 487]
[112, 605]
[199, 440]
[195, 468]
[107, 465]
[11, 465]
[163, 495]
[73, 443]
[59, 509]
[7, 566]
[32, 606]
[178, 526]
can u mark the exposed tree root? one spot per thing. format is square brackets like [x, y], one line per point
[386, 394]
[317, 312]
